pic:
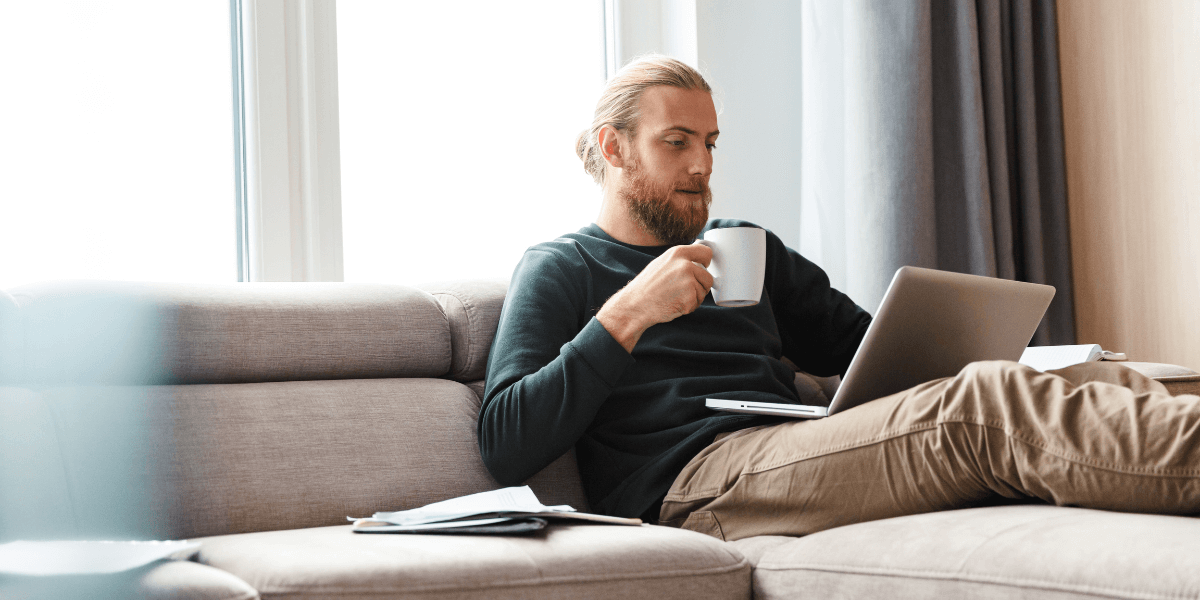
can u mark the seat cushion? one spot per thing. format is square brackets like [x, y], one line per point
[563, 561]
[162, 580]
[1028, 551]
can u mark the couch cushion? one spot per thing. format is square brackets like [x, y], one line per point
[33, 481]
[170, 462]
[1028, 551]
[473, 309]
[563, 561]
[753, 548]
[162, 580]
[145, 333]
[1181, 384]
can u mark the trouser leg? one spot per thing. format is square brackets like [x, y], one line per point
[1099, 436]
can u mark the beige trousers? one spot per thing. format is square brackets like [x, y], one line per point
[1095, 435]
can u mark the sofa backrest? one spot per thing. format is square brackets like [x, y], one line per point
[184, 411]
[117, 333]
[472, 309]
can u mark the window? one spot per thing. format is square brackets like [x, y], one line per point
[458, 125]
[116, 142]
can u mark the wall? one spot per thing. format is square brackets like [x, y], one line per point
[750, 53]
[1131, 94]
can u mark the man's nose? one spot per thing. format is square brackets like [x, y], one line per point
[701, 162]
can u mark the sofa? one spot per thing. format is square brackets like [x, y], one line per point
[255, 418]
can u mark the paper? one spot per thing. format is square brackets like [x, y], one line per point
[482, 510]
[80, 558]
[512, 499]
[1048, 358]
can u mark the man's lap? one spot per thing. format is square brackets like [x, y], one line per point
[945, 444]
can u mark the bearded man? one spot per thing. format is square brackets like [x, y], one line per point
[609, 343]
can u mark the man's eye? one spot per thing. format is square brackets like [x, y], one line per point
[711, 147]
[675, 142]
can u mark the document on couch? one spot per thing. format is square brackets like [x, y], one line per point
[1048, 358]
[508, 510]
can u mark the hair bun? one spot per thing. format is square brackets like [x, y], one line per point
[581, 145]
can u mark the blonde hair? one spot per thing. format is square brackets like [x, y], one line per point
[618, 105]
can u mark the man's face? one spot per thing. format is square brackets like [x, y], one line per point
[666, 176]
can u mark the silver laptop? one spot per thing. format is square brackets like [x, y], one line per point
[930, 325]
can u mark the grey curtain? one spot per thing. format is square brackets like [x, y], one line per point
[933, 137]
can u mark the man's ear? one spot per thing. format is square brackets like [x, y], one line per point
[612, 146]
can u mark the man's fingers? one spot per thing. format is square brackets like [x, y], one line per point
[701, 293]
[703, 276]
[696, 252]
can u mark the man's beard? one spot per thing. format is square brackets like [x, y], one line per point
[651, 207]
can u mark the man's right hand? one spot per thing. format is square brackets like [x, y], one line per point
[672, 285]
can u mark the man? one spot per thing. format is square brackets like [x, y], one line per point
[610, 343]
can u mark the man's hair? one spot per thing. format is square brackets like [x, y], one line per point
[618, 105]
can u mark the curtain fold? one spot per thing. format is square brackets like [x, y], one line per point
[933, 138]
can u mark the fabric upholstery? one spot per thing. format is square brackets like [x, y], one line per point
[162, 580]
[754, 548]
[1028, 551]
[147, 333]
[1182, 384]
[156, 462]
[563, 561]
[1159, 370]
[185, 580]
[477, 386]
[33, 480]
[473, 310]
[168, 462]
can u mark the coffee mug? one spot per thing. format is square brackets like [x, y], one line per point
[739, 264]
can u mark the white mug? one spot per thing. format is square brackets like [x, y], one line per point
[739, 264]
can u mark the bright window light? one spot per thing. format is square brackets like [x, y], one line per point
[116, 142]
[458, 123]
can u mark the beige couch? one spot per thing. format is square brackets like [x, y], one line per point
[256, 417]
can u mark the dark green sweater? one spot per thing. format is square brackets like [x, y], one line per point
[557, 379]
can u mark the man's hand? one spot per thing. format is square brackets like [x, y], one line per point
[672, 285]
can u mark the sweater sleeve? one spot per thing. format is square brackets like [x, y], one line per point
[820, 327]
[551, 366]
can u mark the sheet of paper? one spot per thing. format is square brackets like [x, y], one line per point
[80, 558]
[511, 499]
[1047, 358]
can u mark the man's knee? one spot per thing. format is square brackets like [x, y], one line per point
[995, 370]
[988, 389]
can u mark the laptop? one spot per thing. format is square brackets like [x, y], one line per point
[930, 325]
